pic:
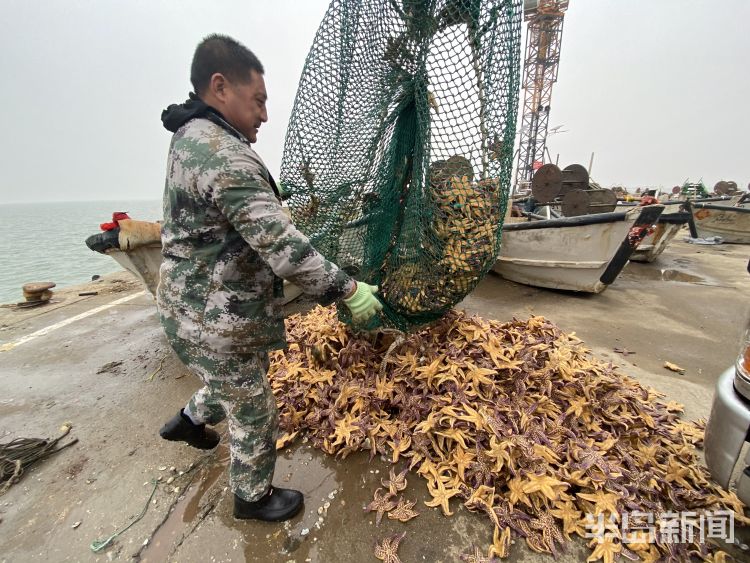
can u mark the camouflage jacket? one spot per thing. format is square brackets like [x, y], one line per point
[227, 244]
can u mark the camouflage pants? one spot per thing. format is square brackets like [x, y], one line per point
[237, 389]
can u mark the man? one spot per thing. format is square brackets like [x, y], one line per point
[226, 247]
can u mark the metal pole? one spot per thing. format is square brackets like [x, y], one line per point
[549, 156]
[591, 163]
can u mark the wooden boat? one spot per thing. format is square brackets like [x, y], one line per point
[584, 253]
[731, 223]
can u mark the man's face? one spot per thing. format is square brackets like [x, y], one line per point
[245, 105]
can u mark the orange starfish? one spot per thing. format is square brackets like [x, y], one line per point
[606, 549]
[441, 496]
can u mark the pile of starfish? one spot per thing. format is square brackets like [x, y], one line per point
[516, 420]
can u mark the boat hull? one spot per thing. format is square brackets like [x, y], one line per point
[730, 223]
[144, 263]
[654, 244]
[577, 254]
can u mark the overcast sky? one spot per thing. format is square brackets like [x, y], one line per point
[656, 88]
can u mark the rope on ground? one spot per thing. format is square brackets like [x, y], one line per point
[157, 370]
[192, 472]
[170, 510]
[98, 545]
[19, 453]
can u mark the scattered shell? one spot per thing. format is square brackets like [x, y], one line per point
[170, 480]
[76, 524]
[173, 469]
[304, 531]
[162, 468]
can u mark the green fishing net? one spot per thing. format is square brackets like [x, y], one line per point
[399, 149]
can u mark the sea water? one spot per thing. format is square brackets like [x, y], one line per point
[46, 242]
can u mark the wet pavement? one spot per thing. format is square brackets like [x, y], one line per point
[113, 376]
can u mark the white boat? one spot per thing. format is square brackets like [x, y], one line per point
[134, 245]
[731, 223]
[584, 253]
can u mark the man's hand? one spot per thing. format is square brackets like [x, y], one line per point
[284, 192]
[363, 304]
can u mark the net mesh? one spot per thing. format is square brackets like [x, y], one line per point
[399, 149]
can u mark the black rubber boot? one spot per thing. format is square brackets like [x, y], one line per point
[276, 506]
[181, 429]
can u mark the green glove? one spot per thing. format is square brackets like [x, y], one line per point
[363, 304]
[284, 192]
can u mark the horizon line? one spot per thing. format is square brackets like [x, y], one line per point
[77, 201]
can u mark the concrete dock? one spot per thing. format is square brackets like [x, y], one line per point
[102, 363]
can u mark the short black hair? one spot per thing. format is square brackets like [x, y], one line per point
[221, 53]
